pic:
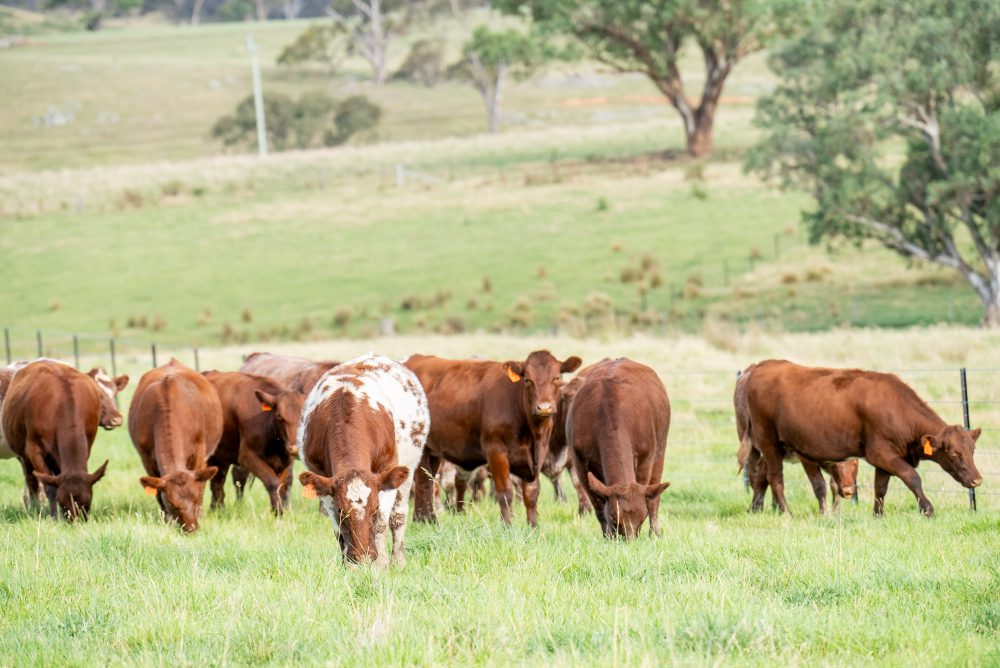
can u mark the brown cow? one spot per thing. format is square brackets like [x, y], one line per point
[175, 422]
[840, 414]
[292, 373]
[260, 422]
[362, 434]
[843, 475]
[617, 428]
[50, 417]
[491, 413]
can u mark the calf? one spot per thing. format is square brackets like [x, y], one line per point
[839, 414]
[843, 475]
[175, 422]
[617, 428]
[491, 413]
[50, 416]
[293, 373]
[260, 421]
[361, 436]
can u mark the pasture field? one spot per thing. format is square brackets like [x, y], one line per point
[721, 587]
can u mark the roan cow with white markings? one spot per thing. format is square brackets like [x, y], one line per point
[361, 437]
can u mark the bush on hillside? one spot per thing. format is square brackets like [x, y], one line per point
[315, 119]
[425, 63]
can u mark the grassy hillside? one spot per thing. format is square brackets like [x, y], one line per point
[721, 587]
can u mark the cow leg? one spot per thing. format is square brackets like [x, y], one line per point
[584, 505]
[557, 487]
[423, 481]
[757, 473]
[835, 490]
[531, 490]
[898, 467]
[35, 453]
[218, 483]
[479, 484]
[815, 476]
[285, 490]
[881, 487]
[461, 484]
[504, 490]
[258, 467]
[240, 477]
[397, 523]
[32, 488]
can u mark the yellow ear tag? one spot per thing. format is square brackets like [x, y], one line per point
[150, 491]
[308, 492]
[264, 407]
[513, 376]
[928, 450]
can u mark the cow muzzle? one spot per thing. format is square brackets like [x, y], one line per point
[848, 492]
[975, 483]
[544, 410]
[114, 422]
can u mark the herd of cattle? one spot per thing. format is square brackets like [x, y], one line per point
[373, 433]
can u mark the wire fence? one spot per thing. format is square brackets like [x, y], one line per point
[702, 443]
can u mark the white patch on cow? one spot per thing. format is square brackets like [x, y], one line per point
[386, 500]
[358, 493]
[331, 512]
[105, 382]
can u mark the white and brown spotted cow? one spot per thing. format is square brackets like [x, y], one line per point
[361, 437]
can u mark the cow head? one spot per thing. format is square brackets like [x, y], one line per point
[847, 477]
[182, 493]
[539, 378]
[625, 507]
[286, 407]
[356, 507]
[953, 449]
[110, 387]
[74, 491]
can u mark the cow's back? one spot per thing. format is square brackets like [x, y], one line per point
[295, 373]
[6, 376]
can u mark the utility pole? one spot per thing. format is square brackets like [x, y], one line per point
[258, 97]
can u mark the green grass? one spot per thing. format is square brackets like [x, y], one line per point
[721, 587]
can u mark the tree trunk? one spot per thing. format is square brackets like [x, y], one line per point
[699, 141]
[494, 99]
[196, 12]
[261, 11]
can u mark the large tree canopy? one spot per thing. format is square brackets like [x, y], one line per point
[646, 36]
[889, 114]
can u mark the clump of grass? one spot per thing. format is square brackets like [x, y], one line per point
[454, 324]
[130, 199]
[602, 204]
[342, 318]
[473, 303]
[171, 188]
[790, 278]
[138, 322]
[617, 248]
[628, 275]
[55, 305]
[520, 312]
[814, 276]
[698, 191]
[247, 315]
[487, 284]
[695, 171]
[755, 253]
[411, 302]
[599, 304]
[439, 298]
[159, 323]
[542, 272]
[691, 291]
[205, 317]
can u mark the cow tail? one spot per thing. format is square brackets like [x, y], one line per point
[746, 445]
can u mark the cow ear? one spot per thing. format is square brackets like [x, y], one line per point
[598, 487]
[99, 473]
[150, 481]
[46, 478]
[929, 443]
[974, 434]
[516, 367]
[205, 474]
[121, 381]
[266, 399]
[323, 486]
[93, 373]
[393, 478]
[654, 491]
[571, 364]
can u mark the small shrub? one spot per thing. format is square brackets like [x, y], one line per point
[814, 276]
[227, 334]
[742, 293]
[789, 230]
[722, 335]
[55, 305]
[695, 172]
[440, 298]
[694, 278]
[142, 322]
[171, 188]
[520, 312]
[487, 284]
[420, 322]
[789, 278]
[385, 307]
[473, 303]
[198, 191]
[130, 199]
[698, 191]
[649, 263]
[755, 253]
[655, 280]
[270, 334]
[691, 291]
[411, 302]
[453, 325]
[602, 204]
[599, 304]
[159, 323]
[247, 314]
[616, 248]
[543, 272]
[425, 63]
[205, 317]
[342, 318]
[628, 275]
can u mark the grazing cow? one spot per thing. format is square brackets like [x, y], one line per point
[617, 428]
[843, 475]
[7, 375]
[259, 428]
[840, 414]
[292, 373]
[361, 436]
[50, 416]
[491, 413]
[450, 478]
[175, 422]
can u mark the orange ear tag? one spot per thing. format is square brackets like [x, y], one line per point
[928, 450]
[308, 492]
[265, 407]
[513, 376]
[150, 491]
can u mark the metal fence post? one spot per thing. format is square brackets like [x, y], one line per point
[76, 353]
[965, 417]
[6, 341]
[197, 366]
[152, 347]
[746, 468]
[114, 369]
[38, 337]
